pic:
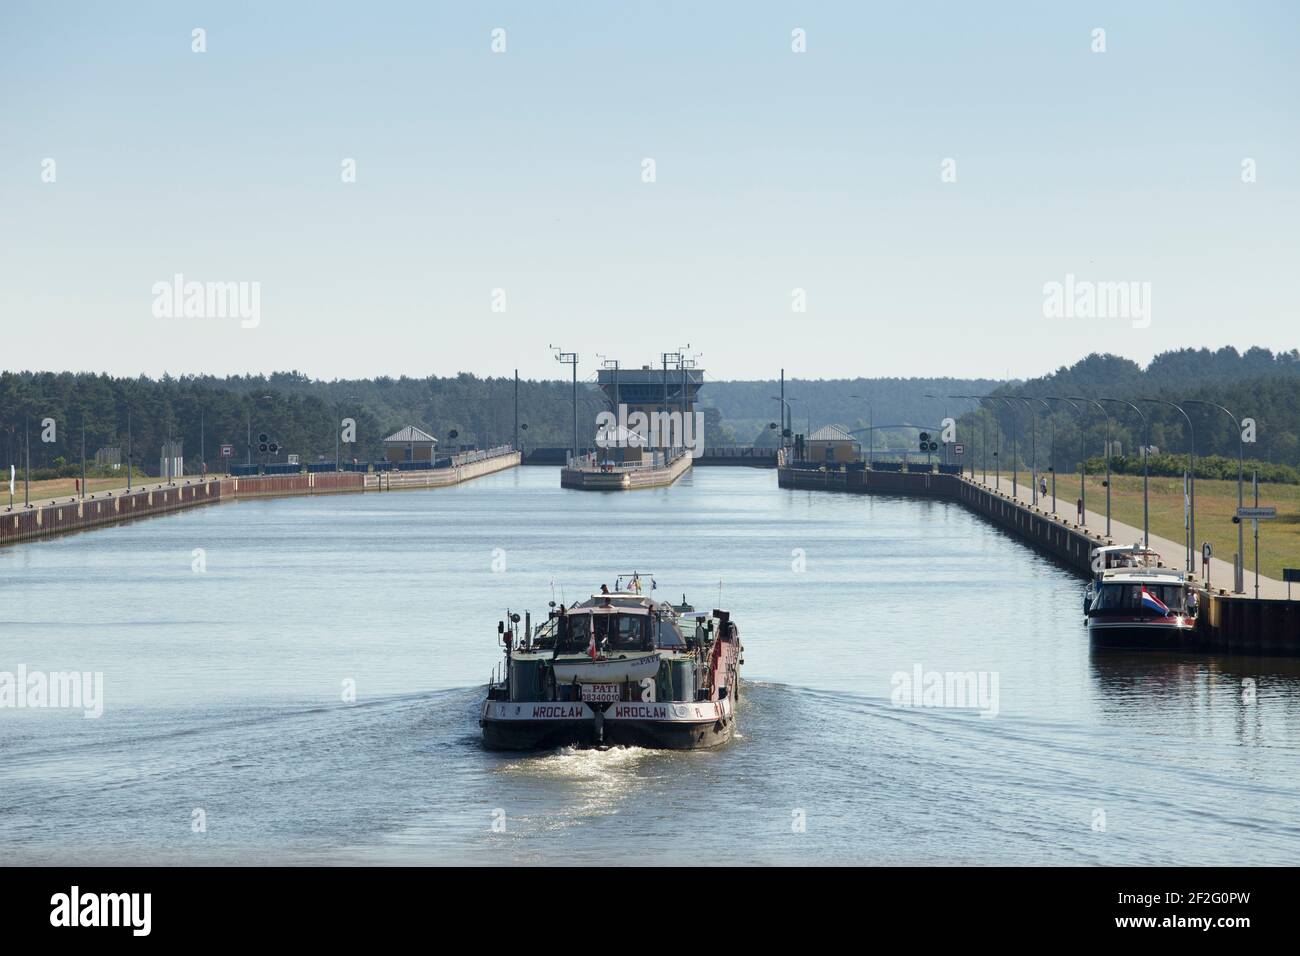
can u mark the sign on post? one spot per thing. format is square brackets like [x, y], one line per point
[227, 451]
[1290, 575]
[959, 449]
[1267, 513]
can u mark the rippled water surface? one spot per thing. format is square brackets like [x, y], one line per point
[224, 691]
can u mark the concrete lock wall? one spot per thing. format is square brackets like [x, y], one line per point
[1227, 622]
[591, 479]
[106, 508]
[102, 509]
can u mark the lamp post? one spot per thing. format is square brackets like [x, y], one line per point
[1015, 468]
[786, 412]
[1033, 450]
[807, 411]
[168, 454]
[984, 440]
[676, 358]
[997, 446]
[1189, 558]
[1146, 509]
[13, 434]
[784, 407]
[972, 457]
[689, 363]
[609, 365]
[684, 362]
[1083, 463]
[984, 444]
[1238, 587]
[1106, 416]
[570, 358]
[1051, 450]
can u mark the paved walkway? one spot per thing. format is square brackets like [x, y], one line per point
[72, 499]
[1121, 533]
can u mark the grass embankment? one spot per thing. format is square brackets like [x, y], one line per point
[1216, 503]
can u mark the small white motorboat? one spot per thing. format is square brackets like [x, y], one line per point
[604, 670]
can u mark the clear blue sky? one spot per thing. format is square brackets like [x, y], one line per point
[522, 171]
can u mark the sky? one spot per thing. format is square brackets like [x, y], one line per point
[894, 200]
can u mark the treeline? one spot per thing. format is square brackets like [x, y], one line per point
[1027, 419]
[1064, 406]
[746, 408]
[301, 415]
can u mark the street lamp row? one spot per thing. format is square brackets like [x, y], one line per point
[1072, 401]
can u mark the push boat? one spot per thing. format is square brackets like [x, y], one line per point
[617, 669]
[1142, 607]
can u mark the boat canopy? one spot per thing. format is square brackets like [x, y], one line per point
[609, 609]
[1143, 576]
[1126, 555]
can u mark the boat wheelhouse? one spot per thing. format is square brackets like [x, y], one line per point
[1112, 556]
[1143, 608]
[617, 668]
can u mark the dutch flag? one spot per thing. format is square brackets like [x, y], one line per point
[1153, 603]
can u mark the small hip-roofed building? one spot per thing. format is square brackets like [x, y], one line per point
[831, 443]
[409, 444]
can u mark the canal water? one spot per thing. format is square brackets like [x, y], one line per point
[232, 640]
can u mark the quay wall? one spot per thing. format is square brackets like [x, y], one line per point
[65, 517]
[106, 508]
[1230, 623]
[439, 477]
[591, 479]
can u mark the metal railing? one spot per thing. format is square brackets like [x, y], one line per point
[469, 457]
[593, 462]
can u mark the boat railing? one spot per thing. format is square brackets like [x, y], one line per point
[592, 462]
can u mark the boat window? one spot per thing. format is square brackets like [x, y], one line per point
[669, 635]
[575, 633]
[544, 633]
[1128, 597]
[628, 632]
